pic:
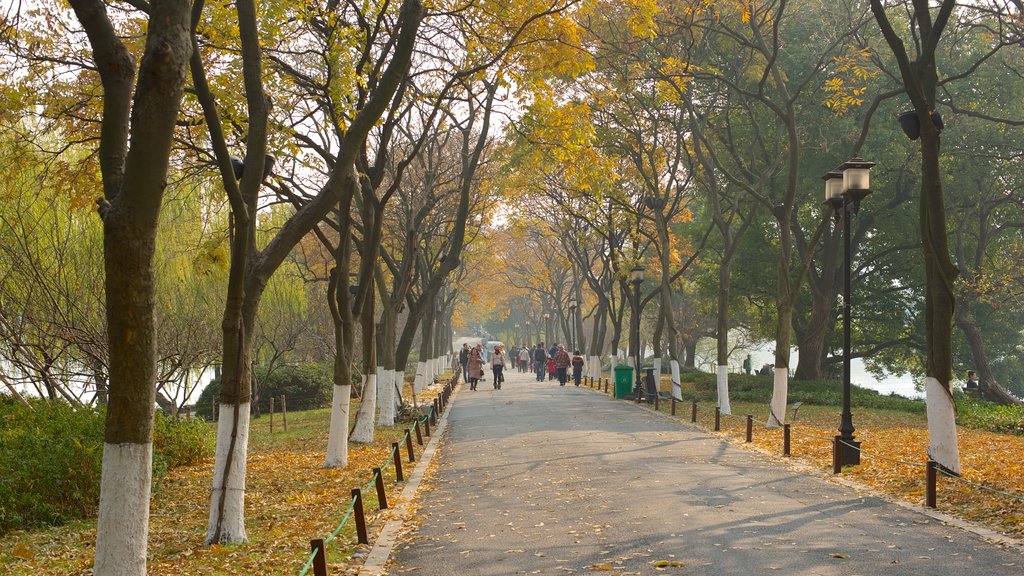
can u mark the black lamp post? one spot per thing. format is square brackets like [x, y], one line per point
[518, 340]
[572, 325]
[636, 277]
[547, 329]
[528, 333]
[845, 187]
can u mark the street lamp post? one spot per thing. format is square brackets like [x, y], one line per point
[637, 278]
[845, 187]
[528, 333]
[516, 336]
[547, 329]
[572, 325]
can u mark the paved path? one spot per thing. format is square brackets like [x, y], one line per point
[539, 479]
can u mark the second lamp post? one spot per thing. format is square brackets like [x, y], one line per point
[636, 276]
[845, 187]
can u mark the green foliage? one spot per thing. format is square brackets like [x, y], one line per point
[981, 415]
[701, 386]
[52, 454]
[305, 386]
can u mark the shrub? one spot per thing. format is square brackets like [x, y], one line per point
[982, 415]
[51, 455]
[305, 386]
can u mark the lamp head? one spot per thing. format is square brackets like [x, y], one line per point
[637, 274]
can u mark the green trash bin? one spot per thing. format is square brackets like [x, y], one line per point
[623, 380]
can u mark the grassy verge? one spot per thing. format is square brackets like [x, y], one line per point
[290, 499]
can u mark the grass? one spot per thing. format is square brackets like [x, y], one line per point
[290, 499]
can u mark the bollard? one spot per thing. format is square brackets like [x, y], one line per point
[419, 435]
[750, 428]
[357, 509]
[673, 405]
[320, 560]
[271, 414]
[396, 455]
[657, 405]
[693, 413]
[426, 426]
[931, 479]
[837, 456]
[606, 385]
[408, 446]
[718, 418]
[785, 440]
[382, 495]
[284, 414]
[433, 413]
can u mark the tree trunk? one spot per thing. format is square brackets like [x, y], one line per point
[134, 152]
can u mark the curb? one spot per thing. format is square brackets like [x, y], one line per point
[379, 555]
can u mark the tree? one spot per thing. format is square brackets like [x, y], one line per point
[140, 110]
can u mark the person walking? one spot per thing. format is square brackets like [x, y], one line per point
[475, 367]
[463, 360]
[540, 359]
[577, 367]
[561, 362]
[524, 358]
[498, 366]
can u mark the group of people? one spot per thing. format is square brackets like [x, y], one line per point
[555, 362]
[472, 362]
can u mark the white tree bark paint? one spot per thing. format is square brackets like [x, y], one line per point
[421, 376]
[386, 397]
[430, 372]
[942, 441]
[123, 525]
[232, 524]
[365, 427]
[657, 368]
[780, 392]
[723, 389]
[337, 438]
[677, 387]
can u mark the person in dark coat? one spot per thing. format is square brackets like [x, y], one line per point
[540, 360]
[463, 360]
[577, 367]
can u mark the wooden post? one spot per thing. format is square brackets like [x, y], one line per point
[396, 455]
[750, 428]
[360, 516]
[837, 455]
[426, 426]
[657, 405]
[605, 385]
[408, 445]
[419, 435]
[271, 414]
[673, 405]
[693, 413]
[931, 480]
[382, 494]
[785, 439]
[320, 560]
[284, 414]
[718, 418]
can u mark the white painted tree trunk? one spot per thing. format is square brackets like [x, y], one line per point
[421, 376]
[337, 438]
[657, 368]
[232, 523]
[723, 389]
[780, 393]
[942, 440]
[430, 372]
[123, 524]
[677, 387]
[365, 427]
[386, 397]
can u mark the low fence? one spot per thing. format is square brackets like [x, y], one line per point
[317, 561]
[930, 470]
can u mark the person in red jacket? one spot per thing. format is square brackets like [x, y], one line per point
[562, 365]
